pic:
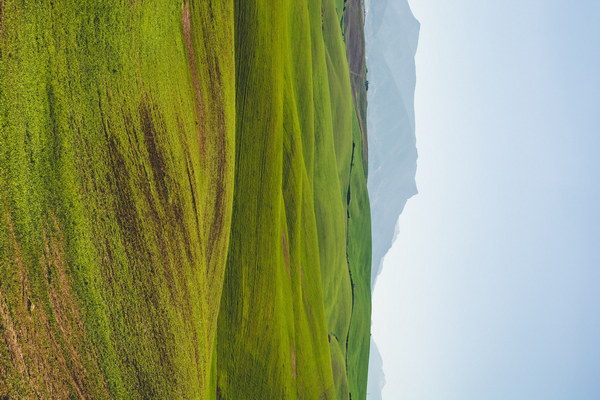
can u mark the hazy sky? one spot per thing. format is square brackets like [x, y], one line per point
[492, 289]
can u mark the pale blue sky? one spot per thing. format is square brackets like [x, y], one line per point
[492, 289]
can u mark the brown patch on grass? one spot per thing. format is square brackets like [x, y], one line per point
[156, 234]
[1, 17]
[190, 171]
[186, 23]
[10, 332]
[45, 340]
[168, 212]
[157, 158]
[307, 305]
[65, 310]
[10, 337]
[219, 167]
[218, 147]
[286, 253]
[18, 260]
[211, 121]
[119, 178]
[355, 52]
[217, 223]
[293, 361]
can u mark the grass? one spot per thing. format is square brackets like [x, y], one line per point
[359, 218]
[183, 202]
[108, 178]
[359, 254]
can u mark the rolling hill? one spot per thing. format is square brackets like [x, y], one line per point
[183, 200]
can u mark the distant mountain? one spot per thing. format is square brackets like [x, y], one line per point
[392, 34]
[377, 379]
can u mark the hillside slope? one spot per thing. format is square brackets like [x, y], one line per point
[176, 186]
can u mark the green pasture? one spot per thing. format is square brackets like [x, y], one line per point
[183, 205]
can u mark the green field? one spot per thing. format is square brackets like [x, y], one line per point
[183, 201]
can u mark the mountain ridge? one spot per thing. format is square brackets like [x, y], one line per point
[392, 34]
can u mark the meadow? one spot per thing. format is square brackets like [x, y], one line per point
[183, 201]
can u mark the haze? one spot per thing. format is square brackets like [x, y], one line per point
[490, 290]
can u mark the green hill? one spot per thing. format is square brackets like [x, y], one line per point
[183, 201]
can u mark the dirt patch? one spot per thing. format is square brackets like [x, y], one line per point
[64, 308]
[10, 337]
[1, 17]
[218, 171]
[286, 253]
[10, 333]
[190, 171]
[45, 339]
[186, 23]
[355, 52]
[18, 260]
[217, 223]
[155, 153]
[293, 361]
[213, 149]
[119, 179]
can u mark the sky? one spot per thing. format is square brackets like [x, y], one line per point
[492, 288]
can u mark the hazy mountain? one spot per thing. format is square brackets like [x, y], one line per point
[392, 34]
[377, 380]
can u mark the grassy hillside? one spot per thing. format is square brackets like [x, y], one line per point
[117, 145]
[183, 202]
[359, 217]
